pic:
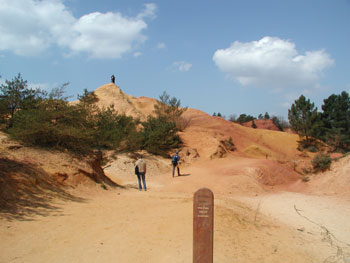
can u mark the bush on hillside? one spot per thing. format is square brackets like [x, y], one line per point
[159, 136]
[54, 125]
[169, 109]
[229, 145]
[254, 125]
[244, 118]
[112, 129]
[47, 120]
[280, 123]
[3, 110]
[321, 162]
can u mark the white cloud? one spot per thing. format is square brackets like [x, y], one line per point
[106, 35]
[182, 66]
[161, 45]
[149, 11]
[137, 54]
[29, 27]
[272, 62]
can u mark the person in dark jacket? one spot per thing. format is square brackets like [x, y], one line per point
[175, 162]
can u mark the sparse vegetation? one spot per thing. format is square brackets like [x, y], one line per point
[170, 109]
[47, 120]
[159, 135]
[104, 186]
[229, 145]
[321, 162]
[306, 170]
[245, 118]
[280, 123]
[254, 125]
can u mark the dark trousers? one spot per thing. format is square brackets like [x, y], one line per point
[178, 170]
[143, 177]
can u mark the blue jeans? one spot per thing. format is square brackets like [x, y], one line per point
[139, 176]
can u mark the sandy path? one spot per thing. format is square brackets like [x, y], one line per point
[312, 213]
[323, 219]
[127, 225]
[133, 226]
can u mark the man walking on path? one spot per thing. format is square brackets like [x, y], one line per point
[141, 174]
[175, 161]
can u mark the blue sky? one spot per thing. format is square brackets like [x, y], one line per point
[222, 56]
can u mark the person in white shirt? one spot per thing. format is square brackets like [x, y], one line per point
[141, 172]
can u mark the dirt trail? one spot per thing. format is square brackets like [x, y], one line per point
[126, 225]
[322, 218]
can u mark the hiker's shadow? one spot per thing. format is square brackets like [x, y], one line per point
[131, 186]
[182, 175]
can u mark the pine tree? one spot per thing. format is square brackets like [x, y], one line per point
[254, 125]
[336, 121]
[302, 117]
[266, 116]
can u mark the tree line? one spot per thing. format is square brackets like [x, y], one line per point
[331, 125]
[47, 119]
[279, 121]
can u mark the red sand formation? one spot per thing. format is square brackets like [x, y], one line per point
[262, 124]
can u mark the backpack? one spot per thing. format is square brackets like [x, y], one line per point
[175, 159]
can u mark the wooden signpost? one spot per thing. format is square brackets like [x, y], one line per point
[203, 222]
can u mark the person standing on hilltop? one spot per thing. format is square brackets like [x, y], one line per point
[140, 170]
[175, 162]
[113, 79]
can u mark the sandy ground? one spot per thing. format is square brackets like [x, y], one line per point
[127, 225]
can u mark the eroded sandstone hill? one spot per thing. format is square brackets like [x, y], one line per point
[207, 138]
[207, 133]
[137, 107]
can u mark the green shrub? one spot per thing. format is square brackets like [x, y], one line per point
[229, 144]
[111, 129]
[254, 125]
[167, 107]
[48, 120]
[79, 128]
[321, 162]
[61, 129]
[245, 118]
[159, 135]
[313, 149]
